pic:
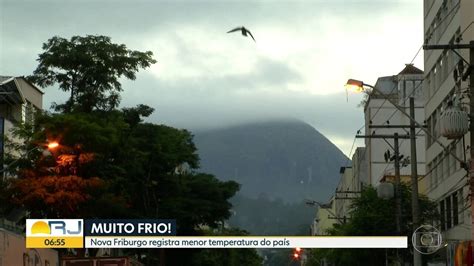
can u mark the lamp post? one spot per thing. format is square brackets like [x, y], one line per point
[326, 206]
[359, 85]
[49, 147]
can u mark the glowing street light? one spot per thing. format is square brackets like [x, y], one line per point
[46, 152]
[357, 85]
[53, 145]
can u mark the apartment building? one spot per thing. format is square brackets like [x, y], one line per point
[19, 101]
[325, 218]
[337, 210]
[378, 111]
[14, 252]
[447, 22]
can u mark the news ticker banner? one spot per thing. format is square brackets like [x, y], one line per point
[246, 242]
[72, 233]
[160, 233]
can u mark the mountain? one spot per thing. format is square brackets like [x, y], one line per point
[287, 159]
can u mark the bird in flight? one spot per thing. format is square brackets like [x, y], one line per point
[244, 32]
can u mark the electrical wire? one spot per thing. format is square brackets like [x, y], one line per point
[385, 100]
[395, 86]
[399, 144]
[468, 26]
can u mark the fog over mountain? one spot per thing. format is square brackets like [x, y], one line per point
[285, 159]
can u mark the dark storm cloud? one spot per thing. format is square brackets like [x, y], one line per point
[205, 78]
[268, 74]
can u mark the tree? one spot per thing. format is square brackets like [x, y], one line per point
[89, 68]
[77, 172]
[109, 157]
[373, 216]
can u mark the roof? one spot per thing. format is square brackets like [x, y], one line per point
[9, 92]
[4, 78]
[410, 69]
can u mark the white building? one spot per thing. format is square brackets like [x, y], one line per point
[14, 252]
[379, 111]
[325, 219]
[19, 100]
[353, 179]
[446, 181]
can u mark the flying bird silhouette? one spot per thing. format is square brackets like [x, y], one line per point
[244, 32]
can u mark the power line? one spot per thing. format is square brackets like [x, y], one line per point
[400, 144]
[413, 59]
[392, 90]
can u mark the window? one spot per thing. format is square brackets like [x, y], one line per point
[434, 174]
[429, 141]
[446, 166]
[426, 87]
[440, 168]
[428, 170]
[459, 152]
[432, 83]
[455, 209]
[452, 160]
[435, 125]
[448, 213]
[451, 210]
[442, 218]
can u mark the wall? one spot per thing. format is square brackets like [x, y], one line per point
[13, 252]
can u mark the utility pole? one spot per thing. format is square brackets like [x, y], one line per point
[471, 130]
[415, 206]
[414, 171]
[398, 198]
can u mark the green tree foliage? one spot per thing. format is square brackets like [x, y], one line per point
[373, 216]
[89, 68]
[265, 216]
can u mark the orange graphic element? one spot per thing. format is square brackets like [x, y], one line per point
[40, 227]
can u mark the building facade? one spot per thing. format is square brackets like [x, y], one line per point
[20, 100]
[14, 252]
[337, 210]
[324, 219]
[378, 111]
[447, 22]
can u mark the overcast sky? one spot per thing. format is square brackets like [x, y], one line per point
[205, 78]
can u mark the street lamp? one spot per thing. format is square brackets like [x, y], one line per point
[49, 145]
[52, 145]
[357, 84]
[326, 206]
